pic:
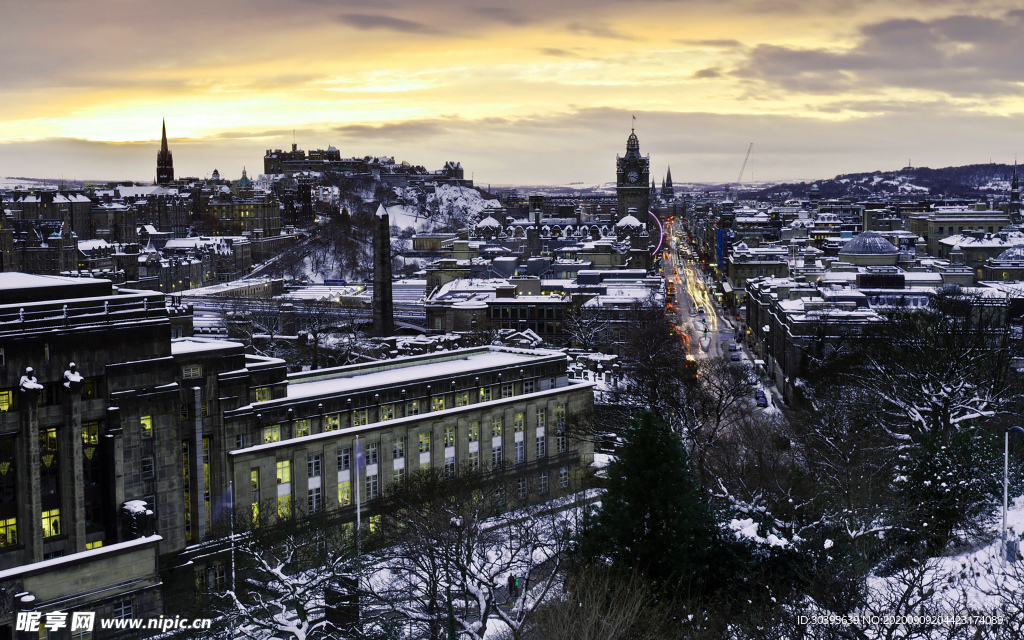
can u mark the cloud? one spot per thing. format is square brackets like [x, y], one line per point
[558, 53]
[708, 73]
[407, 130]
[724, 44]
[599, 30]
[960, 55]
[575, 145]
[370, 21]
[503, 15]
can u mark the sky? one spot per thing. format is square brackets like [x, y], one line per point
[530, 92]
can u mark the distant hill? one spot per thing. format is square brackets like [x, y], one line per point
[969, 181]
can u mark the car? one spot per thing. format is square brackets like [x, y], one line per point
[700, 309]
[736, 356]
[733, 347]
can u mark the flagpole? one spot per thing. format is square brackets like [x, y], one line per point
[359, 511]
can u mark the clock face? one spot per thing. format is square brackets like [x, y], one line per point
[632, 177]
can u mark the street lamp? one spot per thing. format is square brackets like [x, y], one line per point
[1009, 551]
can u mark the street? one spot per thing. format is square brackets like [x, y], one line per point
[709, 334]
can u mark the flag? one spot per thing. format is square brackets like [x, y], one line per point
[359, 456]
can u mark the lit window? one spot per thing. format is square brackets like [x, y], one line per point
[93, 545]
[91, 433]
[412, 408]
[262, 394]
[462, 399]
[517, 421]
[6, 400]
[485, 394]
[387, 412]
[398, 476]
[359, 417]
[374, 523]
[332, 422]
[8, 532]
[284, 506]
[272, 434]
[146, 426]
[344, 493]
[424, 442]
[474, 431]
[302, 427]
[284, 472]
[254, 479]
[51, 523]
[192, 371]
[437, 403]
[449, 436]
[507, 390]
[495, 426]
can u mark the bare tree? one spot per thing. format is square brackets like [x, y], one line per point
[316, 319]
[586, 326]
[442, 535]
[283, 572]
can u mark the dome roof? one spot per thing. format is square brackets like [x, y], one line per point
[489, 221]
[868, 243]
[1014, 253]
[629, 220]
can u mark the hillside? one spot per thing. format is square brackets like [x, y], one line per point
[969, 181]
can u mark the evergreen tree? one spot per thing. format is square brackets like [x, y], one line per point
[654, 518]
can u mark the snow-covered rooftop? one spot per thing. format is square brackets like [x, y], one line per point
[408, 370]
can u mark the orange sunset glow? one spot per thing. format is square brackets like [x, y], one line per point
[520, 93]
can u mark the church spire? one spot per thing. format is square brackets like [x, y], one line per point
[164, 159]
[1015, 196]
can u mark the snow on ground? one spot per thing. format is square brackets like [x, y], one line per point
[406, 216]
[978, 578]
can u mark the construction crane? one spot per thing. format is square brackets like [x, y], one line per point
[739, 180]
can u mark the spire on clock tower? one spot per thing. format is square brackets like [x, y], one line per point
[633, 179]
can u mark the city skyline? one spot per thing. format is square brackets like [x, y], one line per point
[536, 94]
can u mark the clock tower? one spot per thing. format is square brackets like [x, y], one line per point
[632, 173]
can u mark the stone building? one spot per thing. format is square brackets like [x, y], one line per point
[118, 472]
[88, 446]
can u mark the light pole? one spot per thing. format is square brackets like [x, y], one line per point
[1009, 553]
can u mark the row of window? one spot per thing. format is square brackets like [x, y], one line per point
[315, 504]
[332, 422]
[361, 417]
